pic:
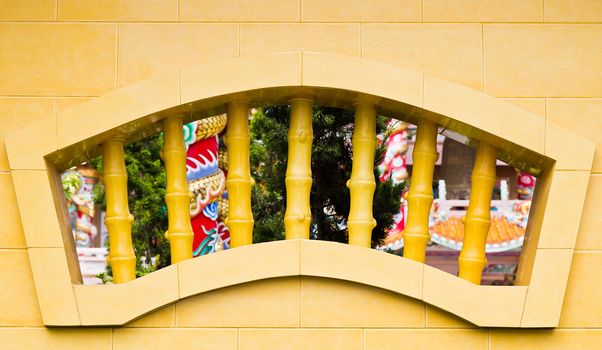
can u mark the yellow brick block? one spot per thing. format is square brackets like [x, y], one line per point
[425, 339]
[337, 71]
[527, 60]
[547, 287]
[117, 108]
[573, 11]
[482, 10]
[55, 338]
[18, 299]
[589, 236]
[146, 50]
[162, 318]
[41, 140]
[28, 10]
[118, 10]
[361, 11]
[561, 222]
[450, 51]
[236, 75]
[335, 38]
[533, 105]
[11, 230]
[334, 303]
[239, 10]
[63, 103]
[484, 112]
[582, 303]
[437, 318]
[266, 303]
[300, 339]
[570, 150]
[483, 305]
[584, 117]
[69, 59]
[40, 219]
[148, 338]
[17, 113]
[244, 264]
[104, 304]
[53, 286]
[323, 259]
[545, 339]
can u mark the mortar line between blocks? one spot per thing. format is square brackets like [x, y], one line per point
[56, 119]
[545, 125]
[291, 21]
[364, 338]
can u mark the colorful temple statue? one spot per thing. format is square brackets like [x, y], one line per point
[446, 222]
[206, 182]
[393, 167]
[526, 185]
[509, 218]
[78, 185]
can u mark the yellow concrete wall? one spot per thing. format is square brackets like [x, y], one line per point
[542, 55]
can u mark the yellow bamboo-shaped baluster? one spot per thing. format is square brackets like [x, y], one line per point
[362, 184]
[297, 217]
[239, 182]
[119, 220]
[420, 195]
[472, 258]
[177, 197]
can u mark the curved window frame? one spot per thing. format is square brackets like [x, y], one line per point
[562, 158]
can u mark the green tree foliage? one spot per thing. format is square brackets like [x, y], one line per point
[331, 168]
[146, 197]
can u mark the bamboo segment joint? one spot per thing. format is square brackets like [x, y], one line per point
[472, 258]
[118, 220]
[239, 182]
[362, 183]
[297, 217]
[420, 195]
[179, 232]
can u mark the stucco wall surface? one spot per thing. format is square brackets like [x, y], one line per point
[543, 55]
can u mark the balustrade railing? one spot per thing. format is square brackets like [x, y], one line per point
[119, 220]
[472, 258]
[362, 184]
[177, 196]
[239, 181]
[420, 196]
[297, 218]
